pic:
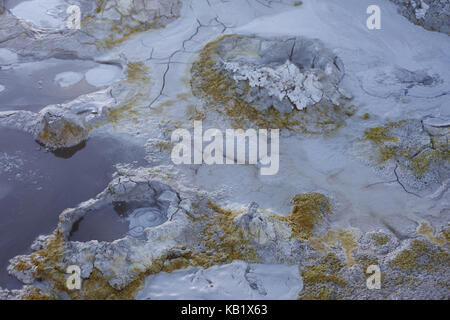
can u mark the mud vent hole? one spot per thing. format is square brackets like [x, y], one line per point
[117, 220]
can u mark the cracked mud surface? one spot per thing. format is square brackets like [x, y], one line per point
[364, 157]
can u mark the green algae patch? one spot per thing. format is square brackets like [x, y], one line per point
[47, 265]
[125, 111]
[208, 81]
[422, 162]
[344, 238]
[138, 73]
[446, 234]
[379, 135]
[120, 34]
[57, 137]
[164, 145]
[308, 212]
[366, 260]
[96, 287]
[219, 241]
[385, 142]
[22, 266]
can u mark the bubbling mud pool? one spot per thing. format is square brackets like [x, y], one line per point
[36, 186]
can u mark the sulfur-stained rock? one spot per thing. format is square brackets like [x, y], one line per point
[43, 29]
[188, 231]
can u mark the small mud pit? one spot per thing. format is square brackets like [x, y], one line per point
[118, 220]
[34, 85]
[36, 186]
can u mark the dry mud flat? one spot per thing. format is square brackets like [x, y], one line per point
[364, 157]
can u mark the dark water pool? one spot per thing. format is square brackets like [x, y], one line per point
[35, 186]
[106, 224]
[32, 86]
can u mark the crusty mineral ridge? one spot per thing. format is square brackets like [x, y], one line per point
[199, 233]
[431, 14]
[286, 73]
